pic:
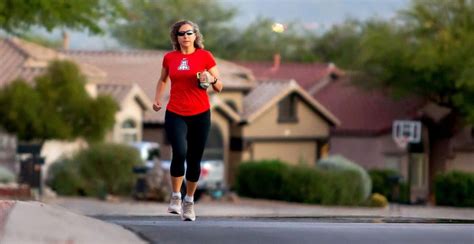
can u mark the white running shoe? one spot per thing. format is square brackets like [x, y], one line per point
[188, 211]
[175, 206]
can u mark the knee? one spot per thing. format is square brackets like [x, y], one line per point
[193, 173]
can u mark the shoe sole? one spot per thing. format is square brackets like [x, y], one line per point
[188, 219]
[172, 211]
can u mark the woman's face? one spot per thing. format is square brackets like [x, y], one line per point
[186, 36]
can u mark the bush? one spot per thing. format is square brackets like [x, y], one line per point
[64, 178]
[378, 200]
[339, 163]
[99, 170]
[385, 181]
[455, 189]
[263, 179]
[279, 181]
[404, 193]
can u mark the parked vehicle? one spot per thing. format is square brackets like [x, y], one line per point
[149, 152]
[154, 179]
[211, 180]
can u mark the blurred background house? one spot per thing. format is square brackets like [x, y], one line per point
[366, 119]
[22, 59]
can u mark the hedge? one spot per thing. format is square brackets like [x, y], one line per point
[274, 179]
[455, 188]
[340, 163]
[384, 181]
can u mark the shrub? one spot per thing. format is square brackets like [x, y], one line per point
[96, 171]
[455, 189]
[63, 177]
[277, 180]
[378, 200]
[339, 163]
[384, 181]
[263, 179]
[404, 193]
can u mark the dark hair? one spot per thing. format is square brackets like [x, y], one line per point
[174, 34]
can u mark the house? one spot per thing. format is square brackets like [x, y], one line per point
[250, 121]
[22, 59]
[365, 133]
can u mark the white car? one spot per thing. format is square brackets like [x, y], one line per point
[211, 180]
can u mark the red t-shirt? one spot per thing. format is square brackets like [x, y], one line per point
[186, 98]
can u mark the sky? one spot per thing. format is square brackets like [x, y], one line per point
[317, 15]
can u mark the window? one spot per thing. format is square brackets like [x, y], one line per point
[129, 131]
[287, 109]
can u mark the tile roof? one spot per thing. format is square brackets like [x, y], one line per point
[16, 62]
[117, 91]
[306, 74]
[267, 94]
[365, 111]
[23, 59]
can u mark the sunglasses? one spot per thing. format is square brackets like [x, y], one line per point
[182, 33]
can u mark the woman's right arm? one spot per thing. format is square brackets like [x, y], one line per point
[160, 89]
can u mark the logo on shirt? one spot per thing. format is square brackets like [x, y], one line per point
[184, 65]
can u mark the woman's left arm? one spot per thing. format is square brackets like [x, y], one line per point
[217, 87]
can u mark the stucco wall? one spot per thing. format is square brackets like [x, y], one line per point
[293, 153]
[129, 109]
[369, 152]
[235, 96]
[463, 161]
[309, 124]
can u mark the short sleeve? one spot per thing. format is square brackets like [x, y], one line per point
[210, 61]
[165, 61]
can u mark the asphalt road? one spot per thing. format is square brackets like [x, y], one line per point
[332, 230]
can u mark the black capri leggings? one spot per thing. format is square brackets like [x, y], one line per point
[188, 136]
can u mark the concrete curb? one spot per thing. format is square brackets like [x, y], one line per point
[36, 222]
[245, 207]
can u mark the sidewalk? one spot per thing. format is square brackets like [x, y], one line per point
[64, 220]
[245, 207]
[36, 222]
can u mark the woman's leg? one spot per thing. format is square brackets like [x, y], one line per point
[198, 131]
[176, 130]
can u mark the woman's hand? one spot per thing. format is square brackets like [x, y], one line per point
[157, 106]
[205, 79]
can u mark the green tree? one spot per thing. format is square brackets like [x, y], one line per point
[57, 107]
[19, 15]
[428, 50]
[148, 22]
[19, 110]
[260, 42]
[340, 44]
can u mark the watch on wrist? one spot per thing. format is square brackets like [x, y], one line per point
[215, 81]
